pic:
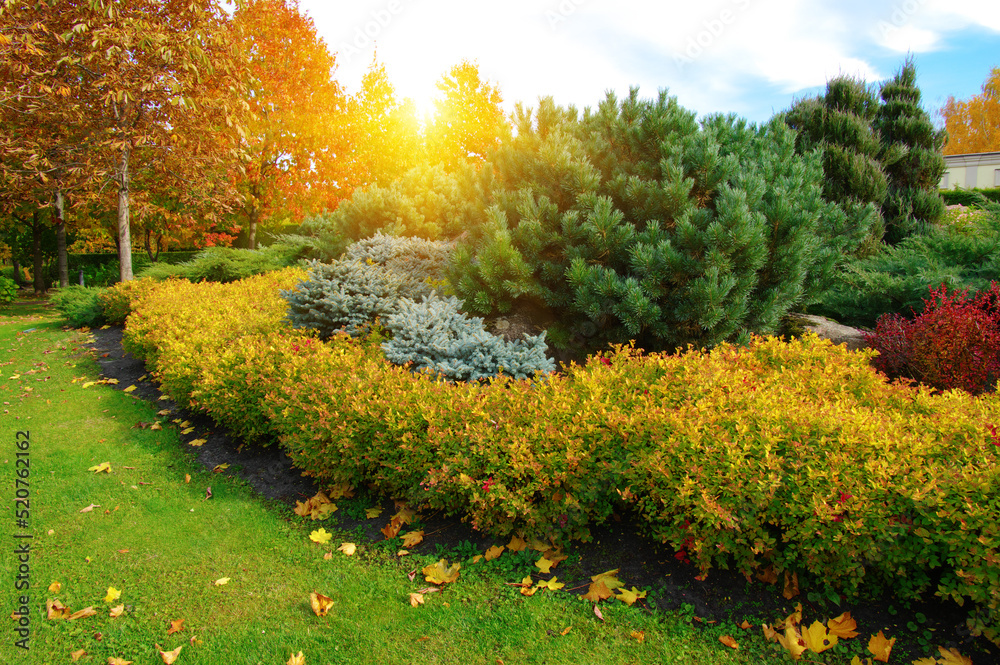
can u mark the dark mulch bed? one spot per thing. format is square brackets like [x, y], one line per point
[724, 596]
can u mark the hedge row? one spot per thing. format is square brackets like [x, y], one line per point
[796, 456]
[968, 197]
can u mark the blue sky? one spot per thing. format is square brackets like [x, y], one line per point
[750, 57]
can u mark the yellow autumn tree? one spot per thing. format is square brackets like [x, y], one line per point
[974, 124]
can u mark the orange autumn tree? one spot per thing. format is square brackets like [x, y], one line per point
[296, 142]
[469, 121]
[974, 124]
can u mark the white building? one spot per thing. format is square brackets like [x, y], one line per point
[977, 169]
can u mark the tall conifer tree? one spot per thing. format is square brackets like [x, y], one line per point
[912, 156]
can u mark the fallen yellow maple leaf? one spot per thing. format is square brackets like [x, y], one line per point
[342, 491]
[953, 657]
[597, 592]
[817, 638]
[113, 660]
[441, 572]
[372, 513]
[843, 626]
[792, 641]
[176, 626]
[544, 565]
[416, 599]
[163, 412]
[391, 530]
[55, 587]
[526, 588]
[170, 656]
[156, 426]
[116, 611]
[85, 612]
[348, 548]
[78, 654]
[413, 538]
[54, 609]
[880, 647]
[729, 642]
[129, 389]
[551, 585]
[320, 604]
[609, 578]
[493, 552]
[222, 581]
[103, 466]
[629, 597]
[516, 544]
[219, 468]
[113, 595]
[296, 659]
[320, 536]
[198, 443]
[187, 477]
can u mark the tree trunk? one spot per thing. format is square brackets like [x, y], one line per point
[36, 247]
[149, 245]
[124, 233]
[17, 272]
[252, 230]
[63, 258]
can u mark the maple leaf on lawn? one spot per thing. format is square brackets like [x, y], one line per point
[493, 552]
[597, 592]
[416, 599]
[526, 588]
[55, 587]
[85, 612]
[609, 578]
[187, 430]
[114, 660]
[54, 609]
[544, 565]
[729, 642]
[556, 556]
[372, 513]
[116, 611]
[129, 389]
[551, 585]
[320, 604]
[539, 545]
[629, 597]
[156, 426]
[163, 412]
[113, 595]
[348, 548]
[843, 626]
[170, 656]
[792, 641]
[219, 468]
[222, 581]
[817, 638]
[103, 466]
[320, 536]
[78, 654]
[176, 626]
[413, 538]
[198, 443]
[441, 572]
[296, 659]
[516, 544]
[880, 647]
[391, 530]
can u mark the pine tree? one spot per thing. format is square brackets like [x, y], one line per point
[840, 123]
[912, 157]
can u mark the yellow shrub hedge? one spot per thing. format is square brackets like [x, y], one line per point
[796, 456]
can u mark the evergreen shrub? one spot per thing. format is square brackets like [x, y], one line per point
[79, 305]
[228, 264]
[434, 336]
[118, 301]
[643, 225]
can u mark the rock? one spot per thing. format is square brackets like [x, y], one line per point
[831, 330]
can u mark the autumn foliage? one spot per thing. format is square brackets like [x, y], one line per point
[776, 457]
[953, 343]
[974, 124]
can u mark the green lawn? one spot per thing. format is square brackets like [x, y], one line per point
[158, 540]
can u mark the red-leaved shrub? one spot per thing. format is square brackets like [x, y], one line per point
[953, 343]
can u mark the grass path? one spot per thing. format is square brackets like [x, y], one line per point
[153, 536]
